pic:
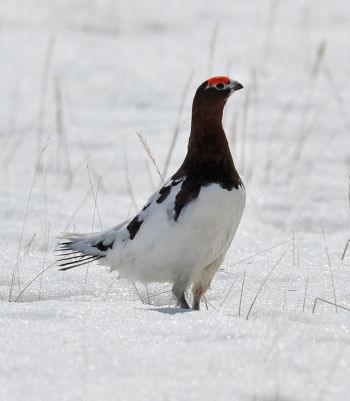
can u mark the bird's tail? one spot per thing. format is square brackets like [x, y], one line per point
[79, 249]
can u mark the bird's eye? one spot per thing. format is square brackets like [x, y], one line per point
[220, 86]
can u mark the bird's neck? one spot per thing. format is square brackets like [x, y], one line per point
[208, 142]
[208, 156]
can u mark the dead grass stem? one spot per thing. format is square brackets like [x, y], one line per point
[241, 295]
[43, 90]
[128, 183]
[259, 253]
[228, 292]
[328, 302]
[330, 268]
[32, 281]
[76, 211]
[263, 284]
[44, 261]
[147, 149]
[15, 271]
[305, 294]
[62, 139]
[348, 242]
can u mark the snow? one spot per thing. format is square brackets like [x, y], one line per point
[83, 77]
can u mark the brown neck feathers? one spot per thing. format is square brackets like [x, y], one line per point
[208, 158]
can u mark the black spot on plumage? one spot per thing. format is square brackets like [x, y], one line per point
[103, 247]
[146, 206]
[163, 192]
[188, 192]
[134, 226]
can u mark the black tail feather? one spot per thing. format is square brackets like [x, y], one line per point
[80, 262]
[78, 259]
[76, 250]
[75, 256]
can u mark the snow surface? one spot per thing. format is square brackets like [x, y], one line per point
[82, 78]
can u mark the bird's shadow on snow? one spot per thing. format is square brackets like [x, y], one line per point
[170, 311]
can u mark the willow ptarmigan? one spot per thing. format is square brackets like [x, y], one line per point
[183, 232]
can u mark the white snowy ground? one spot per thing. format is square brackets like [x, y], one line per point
[82, 78]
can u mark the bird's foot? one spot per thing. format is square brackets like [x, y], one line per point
[182, 303]
[196, 305]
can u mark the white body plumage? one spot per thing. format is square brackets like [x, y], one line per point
[165, 250]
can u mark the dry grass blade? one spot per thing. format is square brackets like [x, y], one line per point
[96, 209]
[30, 243]
[59, 109]
[272, 14]
[347, 244]
[171, 300]
[298, 258]
[137, 291]
[259, 253]
[241, 296]
[206, 302]
[44, 261]
[43, 89]
[293, 248]
[345, 249]
[304, 130]
[15, 269]
[149, 296]
[177, 126]
[145, 145]
[269, 33]
[321, 50]
[128, 182]
[328, 302]
[62, 139]
[330, 268]
[288, 107]
[228, 292]
[148, 300]
[210, 304]
[109, 287]
[306, 288]
[343, 105]
[77, 210]
[149, 174]
[263, 284]
[32, 281]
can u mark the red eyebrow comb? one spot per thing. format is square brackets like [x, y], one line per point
[216, 80]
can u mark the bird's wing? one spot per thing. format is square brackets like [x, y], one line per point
[119, 243]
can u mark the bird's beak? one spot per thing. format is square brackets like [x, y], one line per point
[234, 85]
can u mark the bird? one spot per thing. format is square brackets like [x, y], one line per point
[185, 229]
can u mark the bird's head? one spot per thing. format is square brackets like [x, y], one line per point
[215, 91]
